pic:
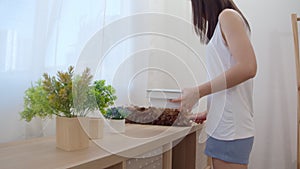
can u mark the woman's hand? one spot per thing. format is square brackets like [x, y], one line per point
[188, 99]
[199, 117]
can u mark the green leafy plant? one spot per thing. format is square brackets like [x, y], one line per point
[59, 91]
[67, 95]
[104, 95]
[116, 113]
[36, 103]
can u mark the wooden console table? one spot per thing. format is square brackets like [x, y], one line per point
[140, 146]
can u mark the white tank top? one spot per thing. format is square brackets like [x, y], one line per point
[230, 112]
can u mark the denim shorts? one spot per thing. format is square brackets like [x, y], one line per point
[233, 151]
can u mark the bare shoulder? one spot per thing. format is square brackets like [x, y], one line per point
[230, 19]
[230, 14]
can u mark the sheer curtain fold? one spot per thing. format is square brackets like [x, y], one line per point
[37, 37]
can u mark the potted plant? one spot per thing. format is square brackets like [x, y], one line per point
[116, 119]
[68, 96]
[104, 96]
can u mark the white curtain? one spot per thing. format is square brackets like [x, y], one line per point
[37, 37]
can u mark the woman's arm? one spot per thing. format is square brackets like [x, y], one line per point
[236, 37]
[238, 42]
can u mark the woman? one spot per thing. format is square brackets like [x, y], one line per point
[231, 65]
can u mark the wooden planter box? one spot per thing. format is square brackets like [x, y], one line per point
[71, 133]
[96, 126]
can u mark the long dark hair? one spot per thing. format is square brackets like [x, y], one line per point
[206, 13]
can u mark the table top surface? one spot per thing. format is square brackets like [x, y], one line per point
[137, 140]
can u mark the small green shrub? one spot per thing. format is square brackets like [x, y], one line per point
[36, 103]
[104, 95]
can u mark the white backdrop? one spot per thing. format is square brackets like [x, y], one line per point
[275, 84]
[49, 35]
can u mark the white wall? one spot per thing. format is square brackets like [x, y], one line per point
[275, 84]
